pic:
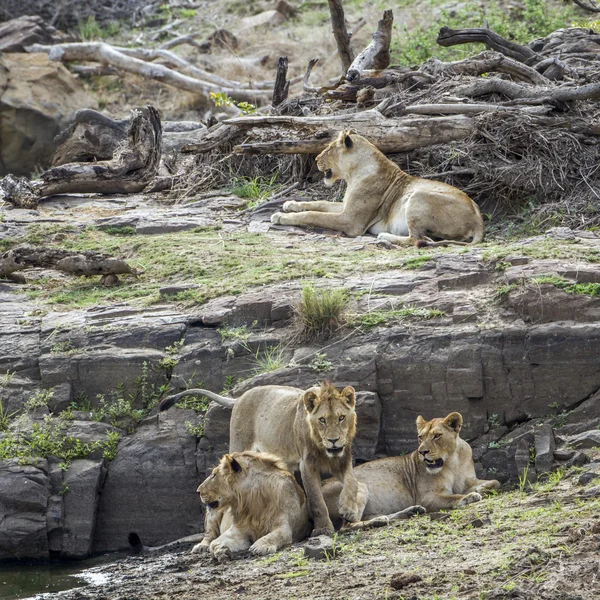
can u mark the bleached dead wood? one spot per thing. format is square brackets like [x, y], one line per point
[377, 54]
[282, 85]
[310, 135]
[133, 166]
[125, 61]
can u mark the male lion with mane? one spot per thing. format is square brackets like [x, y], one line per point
[261, 506]
[383, 200]
[312, 432]
[439, 474]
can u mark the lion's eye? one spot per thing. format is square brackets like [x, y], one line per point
[342, 417]
[437, 436]
[323, 421]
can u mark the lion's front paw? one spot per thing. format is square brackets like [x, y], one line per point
[221, 552]
[351, 512]
[276, 218]
[328, 530]
[413, 511]
[470, 498]
[201, 548]
[291, 206]
[261, 548]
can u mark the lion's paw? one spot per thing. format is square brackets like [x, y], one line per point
[470, 498]
[201, 548]
[413, 511]
[317, 531]
[276, 218]
[261, 548]
[351, 512]
[220, 552]
[291, 206]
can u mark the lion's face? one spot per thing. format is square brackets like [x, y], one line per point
[437, 440]
[331, 417]
[336, 159]
[235, 473]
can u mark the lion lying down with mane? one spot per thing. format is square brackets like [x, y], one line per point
[259, 506]
[439, 474]
[383, 200]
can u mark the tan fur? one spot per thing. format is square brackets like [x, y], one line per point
[407, 482]
[260, 506]
[384, 200]
[312, 431]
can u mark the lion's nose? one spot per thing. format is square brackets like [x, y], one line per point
[423, 452]
[333, 441]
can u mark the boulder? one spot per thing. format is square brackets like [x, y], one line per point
[587, 439]
[545, 445]
[38, 98]
[17, 34]
[150, 487]
[24, 495]
[80, 497]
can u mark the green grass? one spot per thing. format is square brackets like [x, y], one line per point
[416, 262]
[384, 317]
[255, 189]
[320, 312]
[585, 289]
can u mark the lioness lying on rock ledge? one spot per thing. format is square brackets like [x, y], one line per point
[439, 474]
[384, 200]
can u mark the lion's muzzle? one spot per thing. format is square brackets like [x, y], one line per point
[213, 504]
[434, 464]
[334, 451]
[328, 174]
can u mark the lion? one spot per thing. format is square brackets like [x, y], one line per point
[439, 474]
[312, 431]
[383, 200]
[261, 506]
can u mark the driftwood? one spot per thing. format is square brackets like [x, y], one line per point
[340, 32]
[282, 85]
[377, 54]
[86, 263]
[131, 169]
[312, 134]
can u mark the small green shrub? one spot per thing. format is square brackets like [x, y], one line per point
[321, 363]
[381, 317]
[5, 417]
[39, 399]
[255, 189]
[320, 312]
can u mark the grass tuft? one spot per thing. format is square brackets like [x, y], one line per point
[320, 312]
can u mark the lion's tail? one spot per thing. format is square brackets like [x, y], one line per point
[477, 237]
[167, 402]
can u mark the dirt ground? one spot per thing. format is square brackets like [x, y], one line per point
[539, 543]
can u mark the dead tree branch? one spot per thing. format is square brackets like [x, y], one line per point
[454, 37]
[377, 54]
[340, 33]
[282, 86]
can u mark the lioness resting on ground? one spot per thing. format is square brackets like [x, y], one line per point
[439, 474]
[384, 200]
[312, 431]
[261, 506]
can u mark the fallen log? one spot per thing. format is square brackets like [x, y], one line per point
[130, 170]
[81, 263]
[377, 54]
[310, 135]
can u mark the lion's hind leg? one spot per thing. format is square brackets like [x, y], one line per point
[383, 520]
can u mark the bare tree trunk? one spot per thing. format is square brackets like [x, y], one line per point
[377, 54]
[340, 33]
[282, 85]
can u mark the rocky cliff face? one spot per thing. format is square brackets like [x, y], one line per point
[516, 356]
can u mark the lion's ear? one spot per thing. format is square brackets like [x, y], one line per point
[349, 394]
[348, 142]
[454, 421]
[310, 400]
[420, 423]
[233, 464]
